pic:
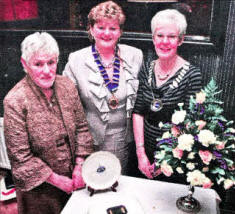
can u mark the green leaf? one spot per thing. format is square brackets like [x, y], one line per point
[166, 147]
[229, 162]
[168, 157]
[218, 171]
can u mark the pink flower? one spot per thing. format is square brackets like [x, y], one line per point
[207, 183]
[166, 169]
[206, 156]
[200, 124]
[177, 153]
[200, 97]
[220, 145]
[175, 131]
[205, 169]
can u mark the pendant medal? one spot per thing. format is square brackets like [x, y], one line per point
[113, 102]
[112, 85]
[156, 105]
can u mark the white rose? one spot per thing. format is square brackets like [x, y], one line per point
[166, 135]
[206, 137]
[196, 178]
[178, 117]
[185, 142]
[232, 130]
[179, 170]
[228, 183]
[200, 97]
[191, 155]
[180, 104]
[190, 165]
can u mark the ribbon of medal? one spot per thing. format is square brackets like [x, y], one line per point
[112, 86]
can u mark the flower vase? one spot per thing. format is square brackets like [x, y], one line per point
[187, 203]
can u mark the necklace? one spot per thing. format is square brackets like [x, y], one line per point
[163, 77]
[108, 65]
[112, 86]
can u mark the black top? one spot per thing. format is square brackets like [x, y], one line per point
[178, 89]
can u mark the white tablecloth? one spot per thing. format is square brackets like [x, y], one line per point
[140, 196]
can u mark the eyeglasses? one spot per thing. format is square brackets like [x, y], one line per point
[161, 37]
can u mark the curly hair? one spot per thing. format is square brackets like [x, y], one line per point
[108, 9]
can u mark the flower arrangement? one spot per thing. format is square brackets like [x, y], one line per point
[200, 143]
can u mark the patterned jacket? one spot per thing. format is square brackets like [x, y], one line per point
[33, 147]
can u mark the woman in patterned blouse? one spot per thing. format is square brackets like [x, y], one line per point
[169, 80]
[45, 129]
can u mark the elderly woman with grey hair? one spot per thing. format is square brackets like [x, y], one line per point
[45, 129]
[169, 80]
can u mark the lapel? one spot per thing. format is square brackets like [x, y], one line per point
[66, 109]
[131, 79]
[96, 86]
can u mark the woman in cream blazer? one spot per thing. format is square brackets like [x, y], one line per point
[82, 69]
[105, 74]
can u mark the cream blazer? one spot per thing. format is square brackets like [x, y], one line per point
[83, 70]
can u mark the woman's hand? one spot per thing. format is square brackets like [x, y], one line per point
[77, 178]
[62, 182]
[143, 163]
[156, 172]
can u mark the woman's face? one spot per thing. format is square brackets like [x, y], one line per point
[42, 69]
[106, 33]
[166, 40]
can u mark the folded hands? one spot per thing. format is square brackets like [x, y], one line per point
[67, 184]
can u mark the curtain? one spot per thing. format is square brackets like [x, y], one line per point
[14, 10]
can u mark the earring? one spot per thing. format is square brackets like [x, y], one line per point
[91, 38]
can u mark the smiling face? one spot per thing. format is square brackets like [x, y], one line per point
[106, 33]
[166, 40]
[41, 68]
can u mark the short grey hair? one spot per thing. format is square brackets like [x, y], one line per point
[172, 15]
[38, 42]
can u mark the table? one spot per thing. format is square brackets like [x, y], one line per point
[141, 196]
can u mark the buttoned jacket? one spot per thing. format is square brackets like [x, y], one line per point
[84, 72]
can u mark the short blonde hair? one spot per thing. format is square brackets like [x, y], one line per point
[172, 15]
[108, 9]
[36, 42]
